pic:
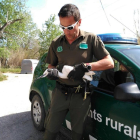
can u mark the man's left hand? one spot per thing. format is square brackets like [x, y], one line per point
[78, 72]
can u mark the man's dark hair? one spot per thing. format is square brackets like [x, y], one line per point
[70, 10]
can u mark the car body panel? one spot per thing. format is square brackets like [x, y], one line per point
[43, 86]
[107, 114]
[38, 87]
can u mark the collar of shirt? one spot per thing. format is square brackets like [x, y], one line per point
[81, 34]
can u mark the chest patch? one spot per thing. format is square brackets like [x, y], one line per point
[59, 49]
[83, 46]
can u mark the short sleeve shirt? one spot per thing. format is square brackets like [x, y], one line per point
[83, 49]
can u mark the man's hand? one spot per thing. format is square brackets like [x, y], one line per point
[51, 74]
[78, 72]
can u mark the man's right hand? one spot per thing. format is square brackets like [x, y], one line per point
[51, 74]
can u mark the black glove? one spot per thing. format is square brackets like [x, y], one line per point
[78, 72]
[52, 74]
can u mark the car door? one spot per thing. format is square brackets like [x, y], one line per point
[111, 119]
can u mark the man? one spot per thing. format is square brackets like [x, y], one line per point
[75, 48]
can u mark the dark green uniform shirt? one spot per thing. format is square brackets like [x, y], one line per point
[62, 53]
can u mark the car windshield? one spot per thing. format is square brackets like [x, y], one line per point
[133, 54]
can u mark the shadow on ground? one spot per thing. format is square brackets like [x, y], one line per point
[18, 127]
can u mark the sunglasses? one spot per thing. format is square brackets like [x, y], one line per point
[69, 27]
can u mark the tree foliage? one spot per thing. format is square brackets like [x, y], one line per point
[50, 32]
[16, 25]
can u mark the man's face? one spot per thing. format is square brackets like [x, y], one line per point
[71, 35]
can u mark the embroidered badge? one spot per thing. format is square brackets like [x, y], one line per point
[59, 49]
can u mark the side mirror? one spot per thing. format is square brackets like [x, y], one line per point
[127, 92]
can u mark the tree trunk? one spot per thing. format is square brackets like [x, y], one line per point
[7, 24]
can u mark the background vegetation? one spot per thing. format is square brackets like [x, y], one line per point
[21, 39]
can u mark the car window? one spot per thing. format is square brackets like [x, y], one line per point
[109, 79]
[133, 54]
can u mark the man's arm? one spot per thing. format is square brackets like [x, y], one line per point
[103, 64]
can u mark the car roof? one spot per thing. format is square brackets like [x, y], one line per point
[121, 46]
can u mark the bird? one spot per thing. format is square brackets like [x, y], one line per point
[66, 70]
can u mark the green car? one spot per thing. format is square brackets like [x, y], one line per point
[115, 99]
